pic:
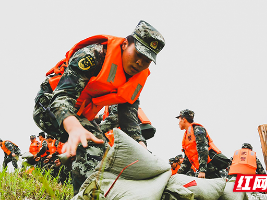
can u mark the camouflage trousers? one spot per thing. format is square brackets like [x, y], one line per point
[9, 159]
[86, 158]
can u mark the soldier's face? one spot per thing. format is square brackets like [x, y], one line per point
[182, 123]
[133, 62]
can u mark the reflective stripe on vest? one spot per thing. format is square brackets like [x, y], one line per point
[244, 162]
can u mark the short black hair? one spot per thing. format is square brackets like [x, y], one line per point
[190, 120]
[130, 39]
[42, 134]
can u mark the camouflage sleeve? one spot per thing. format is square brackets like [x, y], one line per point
[84, 64]
[111, 121]
[56, 143]
[9, 145]
[43, 149]
[185, 166]
[202, 147]
[260, 169]
[128, 120]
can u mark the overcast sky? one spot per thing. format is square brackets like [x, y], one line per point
[214, 63]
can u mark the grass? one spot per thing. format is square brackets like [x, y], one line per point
[35, 186]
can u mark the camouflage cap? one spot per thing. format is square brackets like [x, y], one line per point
[246, 146]
[179, 156]
[32, 136]
[42, 134]
[172, 160]
[148, 41]
[186, 113]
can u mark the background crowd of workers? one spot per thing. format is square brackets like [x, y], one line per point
[47, 154]
[199, 157]
[204, 160]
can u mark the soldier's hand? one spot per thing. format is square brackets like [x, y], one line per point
[37, 159]
[77, 134]
[143, 144]
[201, 175]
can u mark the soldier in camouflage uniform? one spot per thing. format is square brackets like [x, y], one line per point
[12, 153]
[112, 121]
[205, 170]
[259, 170]
[55, 111]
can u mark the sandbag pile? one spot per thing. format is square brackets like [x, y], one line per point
[210, 189]
[149, 178]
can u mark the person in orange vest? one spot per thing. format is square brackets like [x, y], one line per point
[33, 149]
[176, 163]
[11, 151]
[197, 145]
[59, 147]
[98, 71]
[245, 161]
[43, 150]
[34, 146]
[52, 144]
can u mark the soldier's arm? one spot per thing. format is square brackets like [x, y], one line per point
[202, 147]
[73, 81]
[43, 149]
[185, 166]
[260, 169]
[128, 120]
[112, 121]
[10, 147]
[69, 88]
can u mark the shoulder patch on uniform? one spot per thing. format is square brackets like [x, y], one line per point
[199, 130]
[86, 62]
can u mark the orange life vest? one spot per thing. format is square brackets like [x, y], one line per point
[244, 162]
[110, 85]
[40, 147]
[174, 171]
[190, 147]
[59, 147]
[34, 147]
[51, 147]
[5, 149]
